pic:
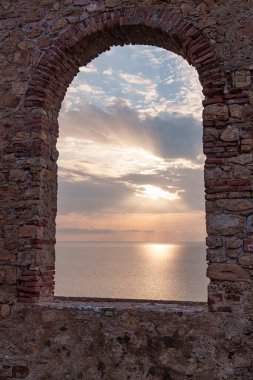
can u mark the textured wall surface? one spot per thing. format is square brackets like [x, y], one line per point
[43, 43]
[117, 341]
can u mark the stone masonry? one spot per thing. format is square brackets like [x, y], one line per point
[43, 43]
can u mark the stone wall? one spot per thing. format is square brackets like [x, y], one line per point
[42, 45]
[115, 340]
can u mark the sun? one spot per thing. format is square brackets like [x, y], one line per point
[156, 193]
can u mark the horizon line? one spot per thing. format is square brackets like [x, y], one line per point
[130, 241]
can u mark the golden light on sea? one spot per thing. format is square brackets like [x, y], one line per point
[160, 251]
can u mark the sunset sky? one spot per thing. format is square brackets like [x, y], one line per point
[131, 161]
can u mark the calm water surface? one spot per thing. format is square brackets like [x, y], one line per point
[131, 270]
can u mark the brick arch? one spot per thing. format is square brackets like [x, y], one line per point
[86, 40]
[48, 84]
[39, 44]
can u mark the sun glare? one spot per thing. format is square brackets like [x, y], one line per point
[155, 193]
[107, 160]
[160, 251]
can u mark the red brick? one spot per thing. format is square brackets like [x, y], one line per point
[224, 309]
[248, 245]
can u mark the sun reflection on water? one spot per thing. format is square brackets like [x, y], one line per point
[160, 251]
[154, 271]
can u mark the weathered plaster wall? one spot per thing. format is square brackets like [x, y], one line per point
[42, 45]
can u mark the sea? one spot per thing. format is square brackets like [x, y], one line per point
[132, 270]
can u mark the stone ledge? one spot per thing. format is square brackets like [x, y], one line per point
[100, 305]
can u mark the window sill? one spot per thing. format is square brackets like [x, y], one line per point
[108, 307]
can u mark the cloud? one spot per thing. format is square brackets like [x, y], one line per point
[91, 90]
[185, 183]
[170, 136]
[152, 79]
[114, 154]
[118, 101]
[135, 79]
[110, 158]
[183, 226]
[151, 55]
[108, 71]
[144, 88]
[170, 192]
[137, 149]
[93, 195]
[175, 136]
[91, 68]
[94, 231]
[156, 192]
[192, 181]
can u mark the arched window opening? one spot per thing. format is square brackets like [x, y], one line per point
[131, 215]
